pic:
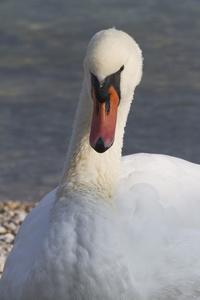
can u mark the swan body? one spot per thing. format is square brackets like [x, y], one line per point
[115, 228]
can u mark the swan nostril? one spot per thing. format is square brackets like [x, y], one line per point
[100, 146]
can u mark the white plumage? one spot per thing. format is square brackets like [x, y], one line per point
[115, 228]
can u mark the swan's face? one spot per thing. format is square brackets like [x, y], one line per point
[113, 68]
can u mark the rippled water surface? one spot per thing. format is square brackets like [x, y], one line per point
[42, 46]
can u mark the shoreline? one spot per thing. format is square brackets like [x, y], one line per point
[12, 215]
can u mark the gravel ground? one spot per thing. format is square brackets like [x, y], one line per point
[12, 215]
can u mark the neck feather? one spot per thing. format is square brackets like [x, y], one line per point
[85, 170]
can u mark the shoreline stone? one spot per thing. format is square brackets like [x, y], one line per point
[12, 214]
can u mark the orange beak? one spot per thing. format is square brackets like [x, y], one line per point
[103, 122]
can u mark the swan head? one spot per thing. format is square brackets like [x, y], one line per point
[113, 68]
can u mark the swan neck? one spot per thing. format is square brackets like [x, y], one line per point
[87, 172]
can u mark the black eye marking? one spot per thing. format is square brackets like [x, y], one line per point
[122, 68]
[101, 89]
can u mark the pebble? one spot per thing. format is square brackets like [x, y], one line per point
[12, 215]
[2, 230]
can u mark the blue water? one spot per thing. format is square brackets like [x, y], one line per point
[42, 46]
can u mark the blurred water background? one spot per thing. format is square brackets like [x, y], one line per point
[42, 47]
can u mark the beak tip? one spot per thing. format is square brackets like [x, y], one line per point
[99, 145]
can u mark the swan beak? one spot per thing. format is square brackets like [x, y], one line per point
[104, 121]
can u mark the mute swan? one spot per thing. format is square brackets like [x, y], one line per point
[114, 228]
